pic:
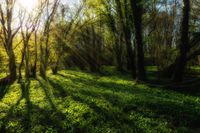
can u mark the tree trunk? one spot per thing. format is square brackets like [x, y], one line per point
[42, 63]
[127, 34]
[8, 34]
[55, 68]
[198, 57]
[184, 44]
[34, 67]
[137, 14]
[130, 53]
[21, 64]
[12, 66]
[119, 53]
[27, 69]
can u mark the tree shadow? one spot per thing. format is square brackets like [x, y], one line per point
[44, 85]
[61, 92]
[3, 90]
[101, 84]
[178, 115]
[32, 114]
[109, 116]
[188, 87]
[10, 113]
[4, 86]
[55, 122]
[26, 94]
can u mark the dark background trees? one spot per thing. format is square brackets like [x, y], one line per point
[92, 34]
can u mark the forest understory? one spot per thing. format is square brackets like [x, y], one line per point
[78, 101]
[100, 66]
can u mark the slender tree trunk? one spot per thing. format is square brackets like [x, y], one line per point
[184, 44]
[12, 65]
[127, 35]
[130, 54]
[119, 52]
[137, 14]
[44, 53]
[44, 56]
[198, 58]
[21, 64]
[42, 62]
[45, 39]
[34, 68]
[27, 69]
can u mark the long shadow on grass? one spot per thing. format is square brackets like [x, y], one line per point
[101, 84]
[61, 92]
[189, 86]
[115, 117]
[59, 116]
[25, 93]
[3, 90]
[178, 114]
[45, 119]
[31, 115]
[26, 117]
[4, 86]
[45, 87]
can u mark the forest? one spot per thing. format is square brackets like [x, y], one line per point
[100, 66]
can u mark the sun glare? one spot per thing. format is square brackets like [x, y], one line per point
[28, 5]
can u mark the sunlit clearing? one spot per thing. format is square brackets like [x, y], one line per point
[28, 5]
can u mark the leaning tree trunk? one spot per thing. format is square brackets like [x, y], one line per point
[184, 44]
[137, 14]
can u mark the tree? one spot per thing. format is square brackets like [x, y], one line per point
[137, 15]
[28, 23]
[8, 34]
[116, 33]
[44, 43]
[123, 12]
[64, 28]
[184, 43]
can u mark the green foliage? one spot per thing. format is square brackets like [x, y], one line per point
[76, 101]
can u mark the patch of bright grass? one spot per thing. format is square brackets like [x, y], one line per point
[75, 101]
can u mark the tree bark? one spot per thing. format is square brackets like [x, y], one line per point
[34, 67]
[12, 66]
[21, 64]
[27, 67]
[127, 35]
[8, 35]
[137, 20]
[184, 44]
[44, 43]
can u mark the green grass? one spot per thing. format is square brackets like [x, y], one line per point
[75, 101]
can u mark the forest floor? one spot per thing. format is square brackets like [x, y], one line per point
[76, 101]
